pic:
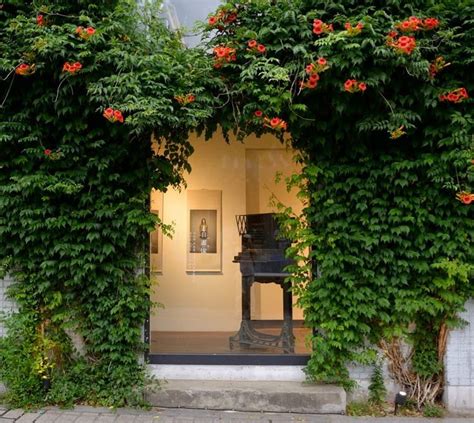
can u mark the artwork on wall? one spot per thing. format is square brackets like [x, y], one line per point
[156, 236]
[204, 246]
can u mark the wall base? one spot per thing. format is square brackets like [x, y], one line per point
[249, 373]
[255, 396]
[362, 375]
[459, 399]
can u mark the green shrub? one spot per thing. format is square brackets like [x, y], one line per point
[433, 410]
[17, 362]
[377, 390]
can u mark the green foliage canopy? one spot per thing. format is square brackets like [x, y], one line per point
[74, 186]
[383, 246]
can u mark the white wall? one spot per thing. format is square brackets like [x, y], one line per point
[5, 304]
[459, 370]
[362, 375]
[244, 372]
[202, 302]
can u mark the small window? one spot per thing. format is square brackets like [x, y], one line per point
[185, 13]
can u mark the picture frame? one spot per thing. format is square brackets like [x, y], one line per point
[156, 236]
[204, 244]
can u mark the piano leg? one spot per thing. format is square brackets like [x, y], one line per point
[287, 337]
[243, 336]
[248, 337]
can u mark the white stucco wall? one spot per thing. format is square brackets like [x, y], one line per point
[459, 391]
[5, 304]
[362, 375]
[238, 372]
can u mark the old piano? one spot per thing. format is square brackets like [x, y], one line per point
[262, 260]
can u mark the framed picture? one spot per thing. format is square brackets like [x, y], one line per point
[156, 236]
[204, 216]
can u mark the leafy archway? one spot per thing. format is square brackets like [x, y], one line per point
[376, 95]
[84, 84]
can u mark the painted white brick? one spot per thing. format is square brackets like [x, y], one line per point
[459, 369]
[5, 304]
[460, 352]
[459, 393]
[362, 375]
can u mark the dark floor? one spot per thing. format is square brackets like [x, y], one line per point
[218, 342]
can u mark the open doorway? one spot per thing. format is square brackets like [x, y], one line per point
[199, 279]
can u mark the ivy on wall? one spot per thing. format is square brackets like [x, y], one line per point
[83, 86]
[376, 97]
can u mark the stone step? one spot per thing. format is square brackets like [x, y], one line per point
[261, 396]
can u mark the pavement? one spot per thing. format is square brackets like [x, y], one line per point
[174, 415]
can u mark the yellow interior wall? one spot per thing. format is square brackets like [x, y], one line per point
[262, 166]
[212, 302]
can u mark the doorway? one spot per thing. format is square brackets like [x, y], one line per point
[195, 274]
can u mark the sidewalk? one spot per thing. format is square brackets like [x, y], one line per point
[104, 415]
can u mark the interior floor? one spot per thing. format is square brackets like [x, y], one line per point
[218, 342]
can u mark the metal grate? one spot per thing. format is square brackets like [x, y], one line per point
[242, 223]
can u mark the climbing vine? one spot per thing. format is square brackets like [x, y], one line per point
[376, 98]
[84, 85]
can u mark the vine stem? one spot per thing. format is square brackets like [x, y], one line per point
[58, 14]
[57, 91]
[8, 92]
[8, 75]
[228, 94]
[295, 80]
[388, 103]
[457, 176]
[302, 117]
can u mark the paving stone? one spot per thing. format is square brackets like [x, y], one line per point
[95, 410]
[28, 418]
[138, 412]
[153, 419]
[13, 414]
[156, 419]
[68, 417]
[306, 419]
[106, 419]
[126, 418]
[87, 418]
[237, 420]
[2, 410]
[88, 415]
[48, 418]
